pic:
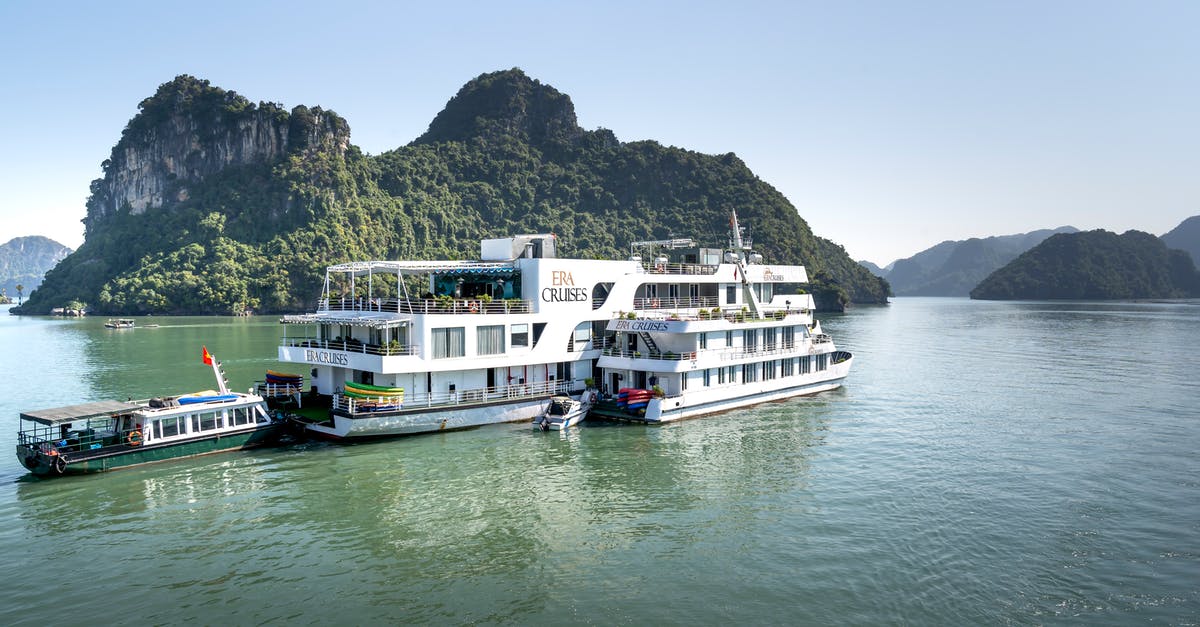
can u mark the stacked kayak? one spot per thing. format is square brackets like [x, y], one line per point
[374, 397]
[633, 400]
[283, 378]
[281, 384]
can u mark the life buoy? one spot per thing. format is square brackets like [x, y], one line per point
[60, 465]
[474, 306]
[134, 438]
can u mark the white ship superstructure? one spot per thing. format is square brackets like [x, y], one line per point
[456, 344]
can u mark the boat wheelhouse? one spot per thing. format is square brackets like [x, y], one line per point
[103, 435]
[457, 344]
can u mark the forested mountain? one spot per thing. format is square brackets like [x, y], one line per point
[872, 268]
[1185, 237]
[25, 260]
[212, 204]
[1095, 265]
[953, 268]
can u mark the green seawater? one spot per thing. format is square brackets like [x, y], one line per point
[986, 463]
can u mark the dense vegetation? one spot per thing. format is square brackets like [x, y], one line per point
[1186, 237]
[1095, 265]
[505, 156]
[953, 268]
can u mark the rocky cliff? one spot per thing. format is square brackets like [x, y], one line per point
[211, 204]
[189, 130]
[25, 260]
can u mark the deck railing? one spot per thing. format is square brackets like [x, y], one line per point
[427, 305]
[362, 406]
[352, 346]
[679, 268]
[726, 353]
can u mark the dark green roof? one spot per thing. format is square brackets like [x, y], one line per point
[78, 412]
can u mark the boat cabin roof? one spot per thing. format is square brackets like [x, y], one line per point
[71, 413]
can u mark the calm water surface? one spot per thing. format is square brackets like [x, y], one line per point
[987, 463]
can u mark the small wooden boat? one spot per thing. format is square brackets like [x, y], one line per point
[565, 411]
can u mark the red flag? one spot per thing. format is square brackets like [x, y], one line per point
[207, 357]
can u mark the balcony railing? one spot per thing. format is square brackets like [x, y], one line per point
[361, 406]
[427, 305]
[675, 303]
[352, 346]
[679, 268]
[728, 353]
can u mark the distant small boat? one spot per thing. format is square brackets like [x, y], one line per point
[565, 411]
[119, 323]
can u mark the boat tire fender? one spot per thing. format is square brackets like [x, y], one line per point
[60, 465]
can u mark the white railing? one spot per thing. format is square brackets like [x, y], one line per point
[360, 406]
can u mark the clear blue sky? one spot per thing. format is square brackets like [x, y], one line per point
[890, 125]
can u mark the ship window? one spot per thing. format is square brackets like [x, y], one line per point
[683, 381]
[728, 338]
[788, 367]
[769, 370]
[708, 377]
[703, 340]
[805, 364]
[720, 375]
[769, 339]
[749, 373]
[170, 427]
[520, 335]
[240, 417]
[749, 339]
[730, 294]
[789, 337]
[490, 340]
[822, 361]
[449, 342]
[673, 291]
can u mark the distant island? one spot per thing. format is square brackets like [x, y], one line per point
[1095, 265]
[954, 268]
[24, 261]
[1185, 237]
[212, 204]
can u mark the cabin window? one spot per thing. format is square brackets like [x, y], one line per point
[749, 373]
[490, 340]
[520, 335]
[169, 427]
[694, 294]
[732, 374]
[728, 338]
[769, 339]
[805, 364]
[651, 290]
[241, 416]
[789, 337]
[673, 292]
[749, 339]
[788, 367]
[769, 368]
[703, 340]
[730, 294]
[708, 377]
[449, 342]
[683, 381]
[822, 361]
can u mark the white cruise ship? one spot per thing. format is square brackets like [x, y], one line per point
[403, 347]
